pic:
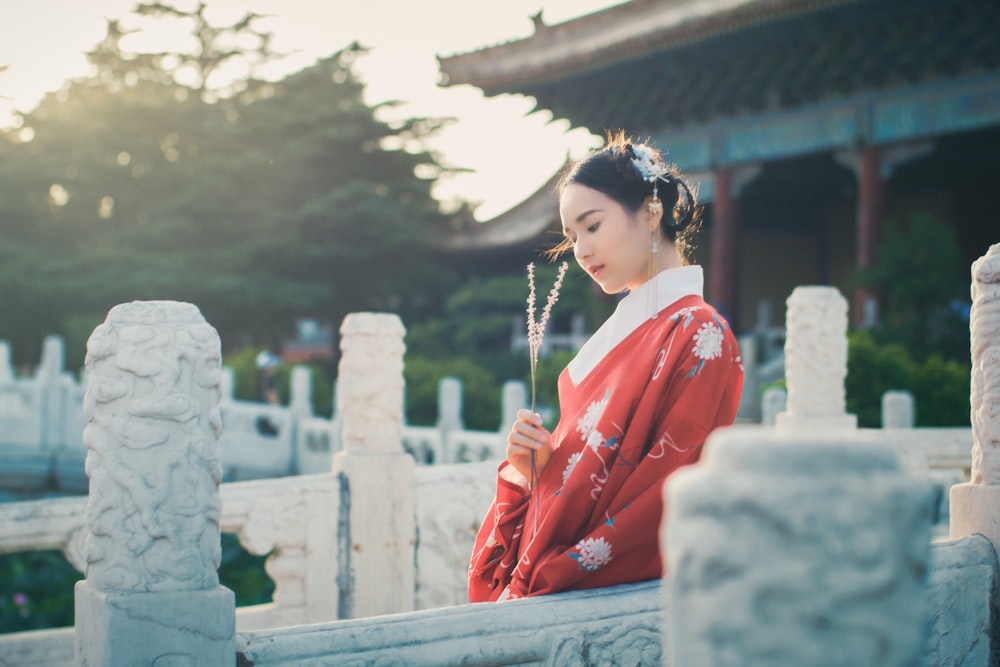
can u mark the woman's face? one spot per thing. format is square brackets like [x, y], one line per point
[609, 243]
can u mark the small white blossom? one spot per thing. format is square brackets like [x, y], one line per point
[595, 439]
[573, 460]
[588, 422]
[595, 552]
[708, 341]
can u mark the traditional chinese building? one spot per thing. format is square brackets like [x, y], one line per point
[807, 124]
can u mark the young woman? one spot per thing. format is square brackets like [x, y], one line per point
[636, 403]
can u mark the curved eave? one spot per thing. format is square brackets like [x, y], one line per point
[619, 33]
[521, 225]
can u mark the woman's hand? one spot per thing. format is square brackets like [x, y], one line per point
[527, 436]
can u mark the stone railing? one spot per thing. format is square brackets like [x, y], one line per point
[41, 427]
[806, 540]
[313, 528]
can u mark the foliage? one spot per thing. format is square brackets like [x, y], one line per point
[36, 591]
[925, 287]
[244, 573]
[480, 391]
[922, 341]
[940, 387]
[471, 340]
[36, 587]
[246, 379]
[280, 201]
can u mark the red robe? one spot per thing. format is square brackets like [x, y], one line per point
[642, 410]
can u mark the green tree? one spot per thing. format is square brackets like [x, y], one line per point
[285, 200]
[921, 276]
[940, 387]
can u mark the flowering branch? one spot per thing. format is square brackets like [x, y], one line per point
[536, 333]
[536, 330]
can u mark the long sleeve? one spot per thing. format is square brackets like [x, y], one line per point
[498, 541]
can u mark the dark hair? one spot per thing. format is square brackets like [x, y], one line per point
[610, 170]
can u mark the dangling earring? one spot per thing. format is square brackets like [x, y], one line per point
[652, 304]
[655, 209]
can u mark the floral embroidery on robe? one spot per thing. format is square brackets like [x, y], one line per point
[643, 410]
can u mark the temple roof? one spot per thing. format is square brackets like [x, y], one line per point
[651, 65]
[520, 225]
[620, 33]
[730, 81]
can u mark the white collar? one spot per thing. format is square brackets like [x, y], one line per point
[633, 311]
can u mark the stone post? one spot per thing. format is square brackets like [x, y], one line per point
[815, 361]
[449, 415]
[152, 594]
[52, 397]
[300, 402]
[513, 397]
[975, 506]
[783, 549]
[378, 535]
[227, 385]
[897, 410]
[772, 404]
[799, 545]
[6, 370]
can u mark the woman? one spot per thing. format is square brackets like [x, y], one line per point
[636, 403]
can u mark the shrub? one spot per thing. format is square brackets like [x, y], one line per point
[480, 391]
[940, 387]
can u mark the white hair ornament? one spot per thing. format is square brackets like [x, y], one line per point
[649, 168]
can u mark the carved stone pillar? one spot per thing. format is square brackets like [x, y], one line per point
[377, 551]
[975, 506]
[815, 361]
[152, 594]
[795, 549]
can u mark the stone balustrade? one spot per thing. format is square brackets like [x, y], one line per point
[806, 543]
[41, 426]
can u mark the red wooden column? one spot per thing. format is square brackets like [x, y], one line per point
[871, 208]
[722, 283]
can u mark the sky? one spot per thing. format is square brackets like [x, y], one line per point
[509, 151]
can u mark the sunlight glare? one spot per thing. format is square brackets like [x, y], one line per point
[106, 208]
[58, 196]
[509, 151]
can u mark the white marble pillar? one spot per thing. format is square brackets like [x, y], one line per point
[377, 558]
[975, 506]
[514, 396]
[152, 594]
[51, 393]
[772, 404]
[795, 549]
[300, 401]
[449, 415]
[6, 369]
[227, 385]
[897, 410]
[815, 361]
